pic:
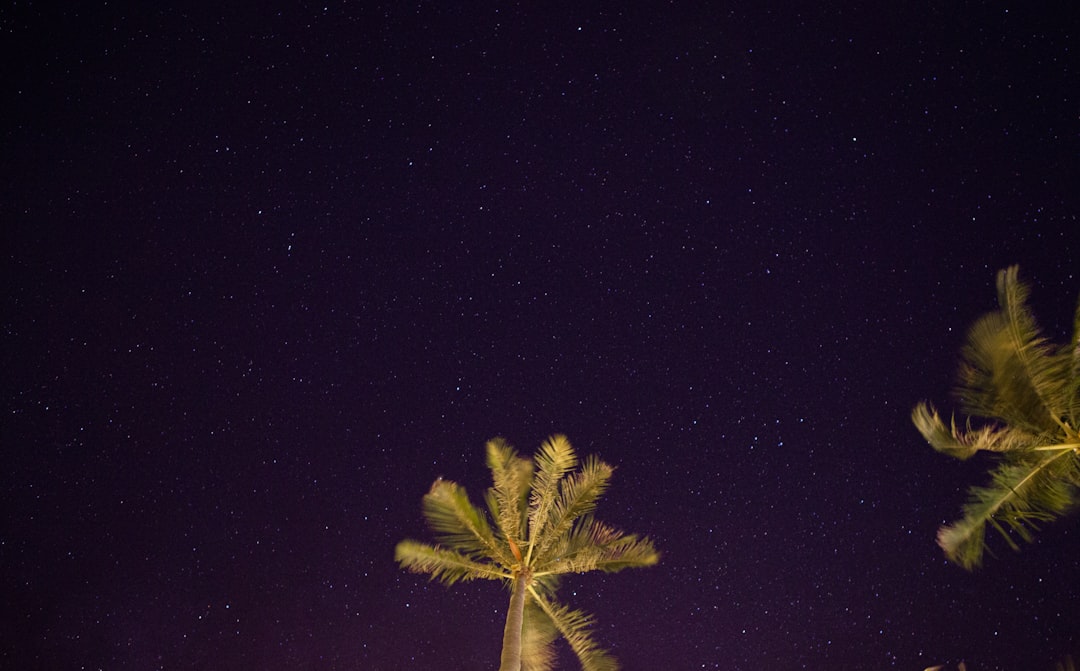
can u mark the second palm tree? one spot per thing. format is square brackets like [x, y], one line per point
[543, 528]
[1027, 391]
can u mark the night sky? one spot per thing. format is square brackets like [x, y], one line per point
[268, 273]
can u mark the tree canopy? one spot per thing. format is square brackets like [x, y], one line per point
[1021, 395]
[539, 526]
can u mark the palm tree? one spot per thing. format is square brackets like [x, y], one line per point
[1026, 390]
[544, 529]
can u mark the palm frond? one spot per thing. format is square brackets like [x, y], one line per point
[1073, 386]
[587, 533]
[538, 634]
[1046, 363]
[442, 564]
[458, 524]
[554, 459]
[508, 497]
[1009, 371]
[594, 546]
[629, 551]
[578, 494]
[1023, 494]
[574, 627]
[963, 444]
[547, 583]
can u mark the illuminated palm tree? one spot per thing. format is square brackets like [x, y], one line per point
[1026, 390]
[543, 529]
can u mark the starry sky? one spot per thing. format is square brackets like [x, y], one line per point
[271, 270]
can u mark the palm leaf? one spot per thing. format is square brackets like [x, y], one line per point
[1047, 365]
[595, 546]
[459, 524]
[1009, 371]
[508, 498]
[1022, 494]
[554, 459]
[587, 536]
[443, 565]
[574, 627]
[963, 444]
[538, 634]
[628, 551]
[1072, 390]
[578, 494]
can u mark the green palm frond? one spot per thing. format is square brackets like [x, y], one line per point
[538, 634]
[460, 525]
[1047, 364]
[963, 444]
[628, 551]
[1073, 387]
[595, 546]
[443, 565]
[578, 494]
[547, 583]
[554, 460]
[1021, 496]
[587, 535]
[508, 497]
[1010, 372]
[574, 627]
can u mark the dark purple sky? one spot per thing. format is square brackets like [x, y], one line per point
[269, 273]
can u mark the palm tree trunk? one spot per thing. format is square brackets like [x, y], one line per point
[511, 647]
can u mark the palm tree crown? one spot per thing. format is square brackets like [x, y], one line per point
[1027, 391]
[543, 529]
